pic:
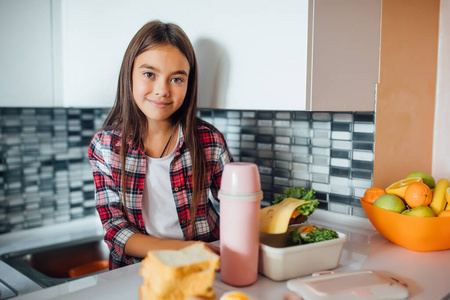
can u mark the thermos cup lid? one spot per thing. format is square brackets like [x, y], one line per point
[241, 179]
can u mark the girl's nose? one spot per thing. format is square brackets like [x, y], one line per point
[162, 89]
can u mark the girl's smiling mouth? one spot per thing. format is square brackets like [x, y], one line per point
[159, 104]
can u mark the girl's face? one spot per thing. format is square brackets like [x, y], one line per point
[160, 81]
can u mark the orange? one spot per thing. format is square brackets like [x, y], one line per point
[418, 194]
[399, 188]
[444, 213]
[372, 194]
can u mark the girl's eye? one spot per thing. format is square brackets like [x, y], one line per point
[177, 80]
[149, 75]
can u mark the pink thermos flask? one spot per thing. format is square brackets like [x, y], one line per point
[240, 198]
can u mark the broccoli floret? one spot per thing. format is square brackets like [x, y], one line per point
[308, 208]
[320, 234]
[294, 238]
[315, 235]
[297, 193]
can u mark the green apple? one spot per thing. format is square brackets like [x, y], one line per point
[419, 211]
[427, 178]
[390, 202]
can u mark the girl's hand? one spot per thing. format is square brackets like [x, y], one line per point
[213, 248]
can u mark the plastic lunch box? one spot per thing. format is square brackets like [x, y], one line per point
[281, 263]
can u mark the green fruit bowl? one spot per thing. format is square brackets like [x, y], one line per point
[413, 233]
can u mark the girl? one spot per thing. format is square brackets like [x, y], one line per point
[154, 162]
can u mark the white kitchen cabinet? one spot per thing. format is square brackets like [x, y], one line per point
[268, 55]
[26, 68]
[319, 55]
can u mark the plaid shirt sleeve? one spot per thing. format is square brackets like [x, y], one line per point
[104, 158]
[218, 155]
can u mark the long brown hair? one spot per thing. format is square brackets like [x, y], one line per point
[126, 117]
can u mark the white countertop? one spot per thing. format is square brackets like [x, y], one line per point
[426, 273]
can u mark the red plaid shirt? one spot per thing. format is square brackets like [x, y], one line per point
[104, 155]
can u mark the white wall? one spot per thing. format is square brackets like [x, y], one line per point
[441, 144]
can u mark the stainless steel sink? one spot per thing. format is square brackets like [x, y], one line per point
[56, 264]
[6, 291]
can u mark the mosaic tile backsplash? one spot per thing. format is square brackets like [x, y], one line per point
[46, 178]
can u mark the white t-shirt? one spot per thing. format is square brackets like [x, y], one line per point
[158, 205]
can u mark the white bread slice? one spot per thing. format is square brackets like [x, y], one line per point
[195, 255]
[179, 274]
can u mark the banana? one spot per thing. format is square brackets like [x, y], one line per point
[438, 203]
[447, 196]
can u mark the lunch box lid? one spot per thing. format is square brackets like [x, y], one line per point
[365, 284]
